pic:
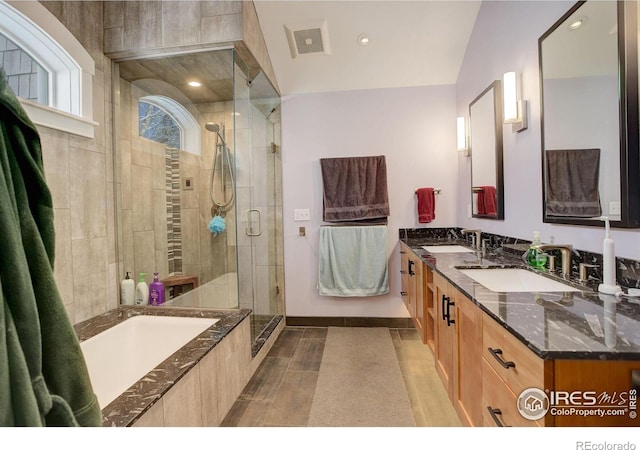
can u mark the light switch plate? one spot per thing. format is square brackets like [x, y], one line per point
[615, 208]
[301, 215]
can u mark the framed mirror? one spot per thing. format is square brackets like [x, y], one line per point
[589, 97]
[487, 187]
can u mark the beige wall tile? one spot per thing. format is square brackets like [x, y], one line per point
[154, 417]
[216, 8]
[55, 157]
[87, 196]
[90, 276]
[227, 27]
[113, 14]
[144, 253]
[160, 219]
[182, 405]
[142, 198]
[178, 19]
[190, 236]
[208, 389]
[127, 250]
[63, 265]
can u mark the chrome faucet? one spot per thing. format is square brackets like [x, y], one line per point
[565, 254]
[475, 239]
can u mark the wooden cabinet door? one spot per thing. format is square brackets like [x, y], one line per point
[445, 333]
[418, 299]
[468, 360]
[404, 275]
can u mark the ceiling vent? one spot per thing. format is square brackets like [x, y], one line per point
[308, 39]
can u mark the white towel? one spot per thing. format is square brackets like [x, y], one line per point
[353, 261]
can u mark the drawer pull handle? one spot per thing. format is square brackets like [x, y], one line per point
[411, 272]
[444, 312]
[403, 272]
[496, 354]
[403, 293]
[449, 305]
[494, 415]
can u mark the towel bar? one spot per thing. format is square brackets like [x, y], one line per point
[435, 191]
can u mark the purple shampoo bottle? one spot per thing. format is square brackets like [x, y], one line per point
[156, 291]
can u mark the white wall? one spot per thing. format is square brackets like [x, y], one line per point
[413, 127]
[505, 38]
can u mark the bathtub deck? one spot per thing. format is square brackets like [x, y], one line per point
[127, 408]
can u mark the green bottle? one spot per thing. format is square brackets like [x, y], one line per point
[535, 256]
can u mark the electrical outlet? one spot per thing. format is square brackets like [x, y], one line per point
[301, 215]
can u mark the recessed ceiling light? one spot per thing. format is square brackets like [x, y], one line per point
[363, 39]
[195, 83]
[577, 23]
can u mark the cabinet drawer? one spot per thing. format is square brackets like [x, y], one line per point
[518, 366]
[497, 396]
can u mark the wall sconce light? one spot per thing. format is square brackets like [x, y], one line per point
[514, 109]
[461, 136]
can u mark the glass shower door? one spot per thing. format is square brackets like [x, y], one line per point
[259, 200]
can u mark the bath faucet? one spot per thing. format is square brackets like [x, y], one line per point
[565, 254]
[475, 239]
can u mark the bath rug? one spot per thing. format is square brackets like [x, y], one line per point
[360, 383]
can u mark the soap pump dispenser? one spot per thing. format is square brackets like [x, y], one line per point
[608, 285]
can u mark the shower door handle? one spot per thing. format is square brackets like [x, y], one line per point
[249, 229]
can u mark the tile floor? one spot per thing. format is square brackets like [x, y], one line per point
[281, 391]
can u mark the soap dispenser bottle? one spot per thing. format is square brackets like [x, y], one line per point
[127, 290]
[608, 285]
[142, 290]
[536, 257]
[156, 291]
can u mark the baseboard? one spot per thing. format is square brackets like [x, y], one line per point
[389, 322]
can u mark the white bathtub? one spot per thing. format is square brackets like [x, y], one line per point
[123, 354]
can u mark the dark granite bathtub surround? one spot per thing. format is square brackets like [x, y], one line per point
[627, 270]
[555, 325]
[127, 408]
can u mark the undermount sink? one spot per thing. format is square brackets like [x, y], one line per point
[515, 280]
[447, 249]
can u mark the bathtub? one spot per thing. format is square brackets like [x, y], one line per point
[123, 354]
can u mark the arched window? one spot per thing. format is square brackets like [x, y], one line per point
[164, 120]
[26, 78]
[63, 69]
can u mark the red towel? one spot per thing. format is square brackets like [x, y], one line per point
[426, 205]
[487, 201]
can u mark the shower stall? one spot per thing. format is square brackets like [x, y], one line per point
[198, 179]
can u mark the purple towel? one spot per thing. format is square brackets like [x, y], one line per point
[354, 188]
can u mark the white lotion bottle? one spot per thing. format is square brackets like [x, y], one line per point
[127, 290]
[142, 290]
[608, 285]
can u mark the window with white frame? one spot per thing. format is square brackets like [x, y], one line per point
[164, 120]
[47, 68]
[26, 78]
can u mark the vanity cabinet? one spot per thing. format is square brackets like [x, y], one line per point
[508, 368]
[413, 286]
[485, 367]
[458, 333]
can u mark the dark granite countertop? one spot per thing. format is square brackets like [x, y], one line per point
[127, 408]
[554, 325]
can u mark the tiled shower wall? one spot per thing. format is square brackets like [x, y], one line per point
[80, 176]
[164, 224]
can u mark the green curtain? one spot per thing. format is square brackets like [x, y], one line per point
[43, 375]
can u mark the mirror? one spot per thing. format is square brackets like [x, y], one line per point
[485, 117]
[589, 82]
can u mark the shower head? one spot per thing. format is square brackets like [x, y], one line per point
[213, 127]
